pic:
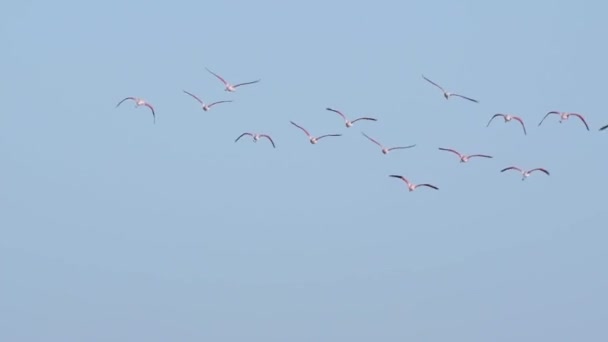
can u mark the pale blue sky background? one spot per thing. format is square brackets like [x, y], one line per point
[115, 229]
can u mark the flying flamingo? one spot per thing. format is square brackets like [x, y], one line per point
[412, 186]
[509, 117]
[206, 106]
[256, 137]
[384, 149]
[348, 122]
[563, 116]
[603, 128]
[525, 174]
[447, 94]
[464, 158]
[139, 102]
[231, 87]
[314, 140]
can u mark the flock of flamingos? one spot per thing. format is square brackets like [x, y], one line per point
[229, 87]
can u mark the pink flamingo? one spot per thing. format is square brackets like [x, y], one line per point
[412, 186]
[205, 106]
[314, 140]
[525, 174]
[563, 116]
[509, 117]
[348, 122]
[231, 87]
[384, 149]
[139, 102]
[256, 137]
[464, 158]
[447, 94]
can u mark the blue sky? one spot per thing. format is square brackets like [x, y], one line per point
[113, 228]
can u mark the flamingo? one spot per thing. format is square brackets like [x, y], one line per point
[525, 174]
[348, 122]
[447, 94]
[384, 149]
[256, 137]
[205, 106]
[563, 116]
[412, 186]
[231, 87]
[509, 117]
[603, 128]
[139, 102]
[314, 140]
[464, 158]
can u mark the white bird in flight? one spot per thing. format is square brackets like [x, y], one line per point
[386, 150]
[411, 186]
[525, 174]
[139, 102]
[231, 87]
[314, 140]
[256, 137]
[348, 122]
[509, 117]
[447, 94]
[563, 116]
[205, 106]
[463, 157]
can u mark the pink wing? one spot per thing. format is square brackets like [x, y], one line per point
[300, 127]
[544, 117]
[364, 118]
[522, 123]
[480, 155]
[511, 168]
[218, 76]
[582, 119]
[269, 138]
[125, 99]
[214, 103]
[337, 111]
[427, 185]
[450, 150]
[152, 109]
[372, 140]
[199, 100]
[539, 169]
[401, 147]
[402, 178]
[328, 135]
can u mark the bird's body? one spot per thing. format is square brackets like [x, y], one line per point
[205, 106]
[463, 157]
[525, 174]
[347, 122]
[563, 116]
[448, 94]
[139, 102]
[411, 186]
[507, 118]
[313, 140]
[229, 87]
[386, 150]
[256, 137]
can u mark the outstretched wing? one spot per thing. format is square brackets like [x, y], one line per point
[328, 135]
[522, 123]
[218, 76]
[511, 168]
[194, 96]
[464, 97]
[493, 116]
[372, 140]
[603, 127]
[242, 135]
[450, 150]
[152, 109]
[427, 185]
[582, 119]
[336, 111]
[433, 83]
[269, 138]
[544, 117]
[541, 170]
[245, 83]
[401, 147]
[364, 118]
[214, 103]
[480, 155]
[125, 99]
[300, 127]
[402, 178]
